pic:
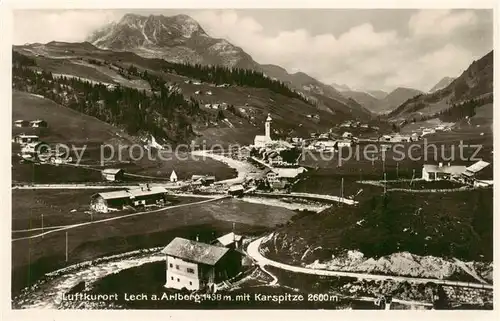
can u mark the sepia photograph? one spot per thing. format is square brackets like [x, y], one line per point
[251, 159]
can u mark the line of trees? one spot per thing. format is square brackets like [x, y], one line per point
[240, 77]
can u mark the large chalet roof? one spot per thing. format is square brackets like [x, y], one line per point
[476, 167]
[453, 169]
[131, 193]
[195, 251]
[137, 192]
[113, 195]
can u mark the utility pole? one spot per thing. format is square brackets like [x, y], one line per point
[66, 247]
[342, 188]
[385, 184]
[42, 226]
[397, 170]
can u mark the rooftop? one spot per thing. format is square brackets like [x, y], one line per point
[195, 251]
[113, 171]
[452, 169]
[478, 166]
[131, 193]
[229, 238]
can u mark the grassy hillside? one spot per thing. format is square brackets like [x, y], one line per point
[454, 224]
[64, 124]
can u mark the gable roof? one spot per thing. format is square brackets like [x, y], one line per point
[173, 175]
[229, 238]
[289, 172]
[131, 193]
[195, 251]
[137, 192]
[114, 195]
[112, 171]
[453, 169]
[476, 167]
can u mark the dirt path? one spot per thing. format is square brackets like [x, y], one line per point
[254, 252]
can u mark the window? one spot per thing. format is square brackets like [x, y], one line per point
[178, 280]
[172, 278]
[189, 270]
[171, 265]
[190, 283]
[177, 267]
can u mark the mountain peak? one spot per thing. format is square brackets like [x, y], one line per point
[442, 84]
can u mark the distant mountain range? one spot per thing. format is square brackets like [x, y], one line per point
[475, 83]
[341, 87]
[380, 102]
[443, 83]
[181, 39]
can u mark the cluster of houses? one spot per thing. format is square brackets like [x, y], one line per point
[139, 197]
[222, 106]
[399, 138]
[198, 266]
[356, 124]
[199, 82]
[458, 173]
[38, 123]
[200, 92]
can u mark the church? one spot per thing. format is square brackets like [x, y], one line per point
[263, 140]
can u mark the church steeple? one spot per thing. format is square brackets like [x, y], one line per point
[268, 126]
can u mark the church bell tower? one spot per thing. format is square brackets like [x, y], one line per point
[268, 126]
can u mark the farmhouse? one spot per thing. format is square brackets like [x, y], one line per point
[107, 201]
[21, 123]
[471, 172]
[196, 178]
[113, 174]
[208, 180]
[475, 168]
[38, 123]
[432, 172]
[236, 190]
[33, 150]
[104, 202]
[26, 139]
[195, 265]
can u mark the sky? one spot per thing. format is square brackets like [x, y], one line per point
[367, 49]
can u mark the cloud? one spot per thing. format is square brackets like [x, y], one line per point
[440, 22]
[68, 25]
[414, 53]
[361, 57]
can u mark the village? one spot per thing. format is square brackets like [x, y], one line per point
[268, 168]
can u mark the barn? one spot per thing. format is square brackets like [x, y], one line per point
[26, 139]
[39, 123]
[116, 200]
[21, 123]
[113, 174]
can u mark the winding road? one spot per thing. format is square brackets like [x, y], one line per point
[253, 251]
